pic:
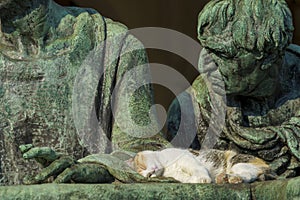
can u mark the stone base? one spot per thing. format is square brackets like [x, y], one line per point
[273, 190]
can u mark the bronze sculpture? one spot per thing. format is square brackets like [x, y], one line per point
[42, 49]
[248, 44]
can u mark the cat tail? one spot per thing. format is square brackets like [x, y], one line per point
[268, 175]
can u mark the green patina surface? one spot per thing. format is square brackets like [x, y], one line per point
[41, 56]
[275, 190]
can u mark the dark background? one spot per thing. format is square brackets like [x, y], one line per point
[178, 15]
[175, 14]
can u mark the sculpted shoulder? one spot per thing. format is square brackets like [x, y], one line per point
[90, 17]
[292, 56]
[291, 70]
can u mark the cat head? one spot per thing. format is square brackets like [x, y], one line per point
[147, 164]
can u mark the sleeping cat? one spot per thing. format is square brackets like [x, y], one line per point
[205, 167]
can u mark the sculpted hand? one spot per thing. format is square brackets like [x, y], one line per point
[43, 155]
[251, 138]
[54, 163]
[63, 168]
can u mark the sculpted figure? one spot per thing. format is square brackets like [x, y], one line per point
[52, 59]
[247, 52]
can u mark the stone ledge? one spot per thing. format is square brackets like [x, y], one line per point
[273, 190]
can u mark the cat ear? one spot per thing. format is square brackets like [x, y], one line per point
[130, 163]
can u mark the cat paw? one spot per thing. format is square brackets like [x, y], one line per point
[205, 180]
[235, 179]
[200, 180]
[221, 178]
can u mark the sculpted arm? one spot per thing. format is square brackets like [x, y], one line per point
[136, 126]
[270, 142]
